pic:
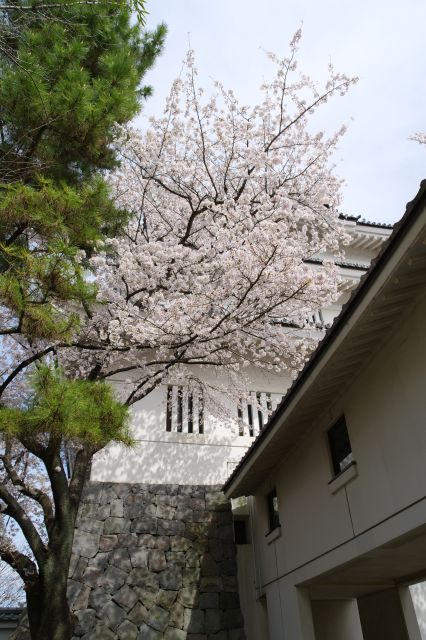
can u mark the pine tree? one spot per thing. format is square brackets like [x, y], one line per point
[69, 74]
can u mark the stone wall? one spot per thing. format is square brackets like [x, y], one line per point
[154, 561]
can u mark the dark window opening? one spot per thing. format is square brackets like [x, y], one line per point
[340, 446]
[240, 532]
[273, 514]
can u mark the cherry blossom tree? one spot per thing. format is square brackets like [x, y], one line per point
[229, 202]
[419, 137]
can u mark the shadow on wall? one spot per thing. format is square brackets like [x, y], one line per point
[153, 562]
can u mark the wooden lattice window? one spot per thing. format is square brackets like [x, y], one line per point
[185, 410]
[254, 412]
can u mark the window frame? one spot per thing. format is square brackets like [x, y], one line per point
[273, 513]
[333, 446]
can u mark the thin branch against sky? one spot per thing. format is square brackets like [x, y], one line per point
[381, 42]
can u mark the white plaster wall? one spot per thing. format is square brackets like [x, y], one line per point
[254, 611]
[183, 458]
[336, 620]
[385, 410]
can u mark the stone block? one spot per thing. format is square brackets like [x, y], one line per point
[138, 576]
[125, 597]
[203, 516]
[213, 620]
[127, 631]
[120, 558]
[236, 634]
[229, 600]
[220, 635]
[93, 576]
[112, 615]
[232, 619]
[166, 599]
[106, 543]
[143, 509]
[73, 563]
[170, 501]
[194, 621]
[229, 583]
[147, 595]
[158, 618]
[171, 578]
[192, 558]
[98, 598]
[146, 540]
[73, 590]
[144, 525]
[191, 576]
[115, 525]
[82, 600]
[86, 621]
[86, 544]
[107, 495]
[201, 545]
[100, 561]
[127, 540]
[195, 530]
[121, 489]
[176, 558]
[86, 510]
[179, 543]
[101, 632]
[157, 560]
[211, 584]
[92, 492]
[209, 566]
[228, 567]
[138, 614]
[162, 542]
[138, 557]
[177, 616]
[174, 634]
[184, 513]
[81, 567]
[103, 512]
[170, 527]
[209, 601]
[147, 633]
[113, 579]
[216, 501]
[117, 509]
[165, 511]
[188, 596]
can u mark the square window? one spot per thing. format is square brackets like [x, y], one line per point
[273, 514]
[340, 446]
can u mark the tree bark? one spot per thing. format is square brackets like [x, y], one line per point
[49, 614]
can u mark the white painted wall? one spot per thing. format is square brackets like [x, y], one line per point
[385, 412]
[183, 458]
[336, 620]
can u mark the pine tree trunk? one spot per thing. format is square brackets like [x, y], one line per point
[49, 614]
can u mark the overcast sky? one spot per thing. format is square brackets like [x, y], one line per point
[381, 41]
